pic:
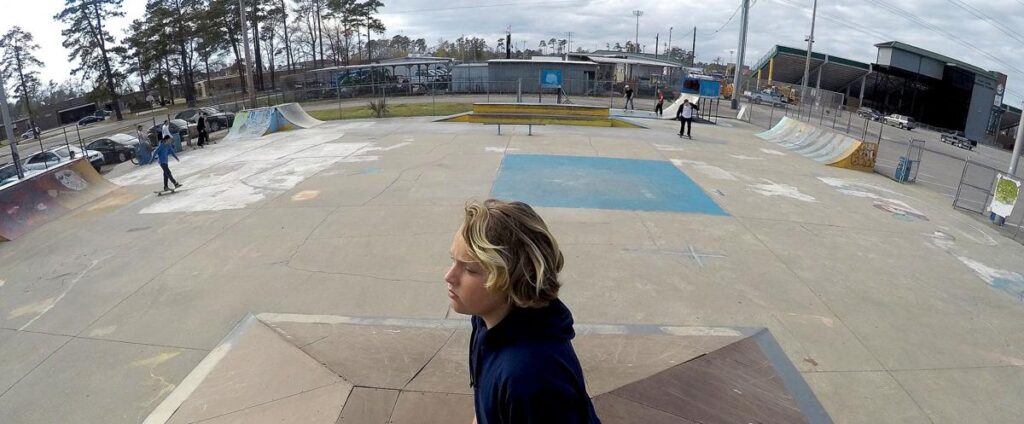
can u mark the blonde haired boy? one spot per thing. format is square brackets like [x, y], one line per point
[504, 273]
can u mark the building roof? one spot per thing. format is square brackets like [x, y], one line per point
[648, 56]
[542, 59]
[837, 73]
[930, 54]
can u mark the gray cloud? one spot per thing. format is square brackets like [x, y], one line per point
[847, 28]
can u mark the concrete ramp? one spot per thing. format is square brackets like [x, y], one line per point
[37, 200]
[255, 123]
[822, 144]
[293, 116]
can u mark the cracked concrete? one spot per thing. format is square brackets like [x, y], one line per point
[886, 325]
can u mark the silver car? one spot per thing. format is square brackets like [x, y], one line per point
[53, 157]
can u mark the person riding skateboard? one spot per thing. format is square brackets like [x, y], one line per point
[685, 116]
[162, 152]
[629, 99]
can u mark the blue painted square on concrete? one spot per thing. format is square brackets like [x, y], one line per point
[600, 183]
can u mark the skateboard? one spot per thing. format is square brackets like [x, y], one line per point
[163, 192]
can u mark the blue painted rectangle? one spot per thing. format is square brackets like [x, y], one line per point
[709, 88]
[551, 78]
[600, 183]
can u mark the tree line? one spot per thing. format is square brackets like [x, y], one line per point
[177, 43]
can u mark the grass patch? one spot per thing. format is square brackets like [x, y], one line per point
[394, 111]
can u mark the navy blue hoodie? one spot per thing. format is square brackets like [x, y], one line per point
[524, 370]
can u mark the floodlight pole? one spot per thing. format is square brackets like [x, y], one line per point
[636, 40]
[9, 129]
[741, 49]
[1017, 144]
[807, 61]
[248, 58]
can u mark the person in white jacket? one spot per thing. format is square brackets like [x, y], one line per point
[685, 115]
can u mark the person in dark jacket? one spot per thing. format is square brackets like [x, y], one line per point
[660, 107]
[201, 127]
[504, 273]
[685, 115]
[162, 152]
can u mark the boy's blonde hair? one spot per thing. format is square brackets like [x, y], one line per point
[513, 244]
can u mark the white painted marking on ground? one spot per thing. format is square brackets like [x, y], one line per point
[991, 275]
[156, 360]
[494, 149]
[2, 282]
[103, 331]
[773, 152]
[742, 157]
[57, 300]
[305, 195]
[375, 148]
[701, 331]
[770, 188]
[709, 170]
[668, 148]
[172, 402]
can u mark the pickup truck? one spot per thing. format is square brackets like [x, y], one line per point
[958, 141]
[767, 98]
[900, 121]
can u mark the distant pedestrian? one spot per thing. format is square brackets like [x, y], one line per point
[161, 153]
[142, 147]
[660, 107]
[201, 127]
[165, 130]
[629, 99]
[685, 116]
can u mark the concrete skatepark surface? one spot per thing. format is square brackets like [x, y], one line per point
[890, 304]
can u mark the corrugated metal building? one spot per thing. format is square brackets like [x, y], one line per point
[578, 77]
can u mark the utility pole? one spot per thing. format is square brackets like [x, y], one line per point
[9, 129]
[570, 44]
[807, 61]
[1017, 145]
[668, 49]
[636, 39]
[693, 49]
[739, 59]
[656, 45]
[248, 56]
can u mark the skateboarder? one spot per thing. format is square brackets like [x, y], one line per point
[629, 99]
[685, 116]
[660, 107]
[162, 152]
[504, 273]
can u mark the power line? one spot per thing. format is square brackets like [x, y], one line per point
[913, 18]
[726, 22]
[839, 21]
[984, 17]
[484, 6]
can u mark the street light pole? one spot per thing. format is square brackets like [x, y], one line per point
[1017, 145]
[807, 61]
[668, 50]
[9, 129]
[248, 57]
[739, 58]
[636, 39]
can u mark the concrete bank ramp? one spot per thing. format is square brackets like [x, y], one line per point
[254, 123]
[670, 111]
[37, 200]
[822, 144]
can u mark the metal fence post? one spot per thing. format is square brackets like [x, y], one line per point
[849, 120]
[771, 116]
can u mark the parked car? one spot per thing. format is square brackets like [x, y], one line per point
[116, 148]
[178, 126]
[58, 155]
[869, 113]
[31, 133]
[88, 120]
[215, 120]
[959, 141]
[8, 174]
[900, 121]
[102, 113]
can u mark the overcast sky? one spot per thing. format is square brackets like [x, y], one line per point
[989, 34]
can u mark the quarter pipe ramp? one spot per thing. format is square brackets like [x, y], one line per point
[254, 123]
[42, 198]
[822, 145]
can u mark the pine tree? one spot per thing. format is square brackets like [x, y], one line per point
[18, 60]
[90, 42]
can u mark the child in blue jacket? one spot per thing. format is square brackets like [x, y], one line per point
[162, 152]
[504, 273]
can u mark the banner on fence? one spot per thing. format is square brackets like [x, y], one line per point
[551, 78]
[1005, 196]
